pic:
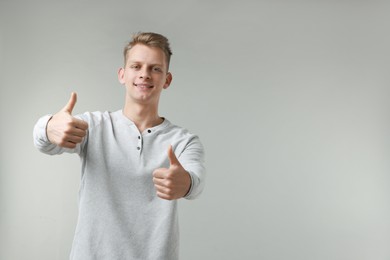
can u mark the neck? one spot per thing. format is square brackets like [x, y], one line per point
[143, 116]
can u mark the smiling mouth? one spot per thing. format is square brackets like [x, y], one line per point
[143, 86]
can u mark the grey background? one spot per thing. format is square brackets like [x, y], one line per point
[290, 99]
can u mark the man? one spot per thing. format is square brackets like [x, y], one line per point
[135, 164]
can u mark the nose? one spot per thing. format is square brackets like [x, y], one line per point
[144, 74]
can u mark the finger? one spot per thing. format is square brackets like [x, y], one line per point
[74, 139]
[160, 188]
[160, 173]
[164, 196]
[69, 144]
[81, 124]
[71, 103]
[77, 132]
[164, 190]
[162, 182]
[172, 157]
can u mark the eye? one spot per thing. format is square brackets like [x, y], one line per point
[157, 69]
[135, 66]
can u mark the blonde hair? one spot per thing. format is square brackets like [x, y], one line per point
[152, 40]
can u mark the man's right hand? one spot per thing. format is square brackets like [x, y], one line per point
[65, 130]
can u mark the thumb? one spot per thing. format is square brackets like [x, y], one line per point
[71, 103]
[172, 157]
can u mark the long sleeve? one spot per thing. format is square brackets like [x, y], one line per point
[192, 159]
[120, 214]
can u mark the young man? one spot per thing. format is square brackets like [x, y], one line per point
[135, 164]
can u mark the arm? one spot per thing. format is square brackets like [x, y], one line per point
[192, 159]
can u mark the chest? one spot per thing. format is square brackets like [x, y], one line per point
[123, 152]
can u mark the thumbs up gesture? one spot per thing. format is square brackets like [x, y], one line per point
[65, 130]
[173, 182]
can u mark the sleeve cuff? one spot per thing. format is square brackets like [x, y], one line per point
[188, 195]
[40, 132]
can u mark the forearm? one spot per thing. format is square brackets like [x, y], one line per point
[197, 184]
[193, 162]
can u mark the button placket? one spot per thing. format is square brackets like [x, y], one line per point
[140, 140]
[139, 146]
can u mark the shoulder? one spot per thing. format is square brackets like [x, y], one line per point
[176, 129]
[181, 134]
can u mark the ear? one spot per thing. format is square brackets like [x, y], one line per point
[121, 75]
[168, 80]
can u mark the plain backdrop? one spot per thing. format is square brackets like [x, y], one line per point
[290, 98]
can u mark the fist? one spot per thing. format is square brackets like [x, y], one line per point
[173, 182]
[65, 130]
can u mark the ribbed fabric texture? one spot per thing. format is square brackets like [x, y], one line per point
[120, 215]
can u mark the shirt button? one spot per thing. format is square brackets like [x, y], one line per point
[139, 137]
[149, 131]
[138, 148]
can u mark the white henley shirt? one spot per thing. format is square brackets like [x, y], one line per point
[120, 215]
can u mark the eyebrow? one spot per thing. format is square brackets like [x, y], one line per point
[139, 62]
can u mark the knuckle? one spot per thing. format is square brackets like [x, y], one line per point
[68, 129]
[69, 121]
[169, 184]
[63, 140]
[170, 192]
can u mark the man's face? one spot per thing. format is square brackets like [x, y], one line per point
[145, 74]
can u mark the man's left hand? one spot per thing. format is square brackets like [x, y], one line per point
[173, 182]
